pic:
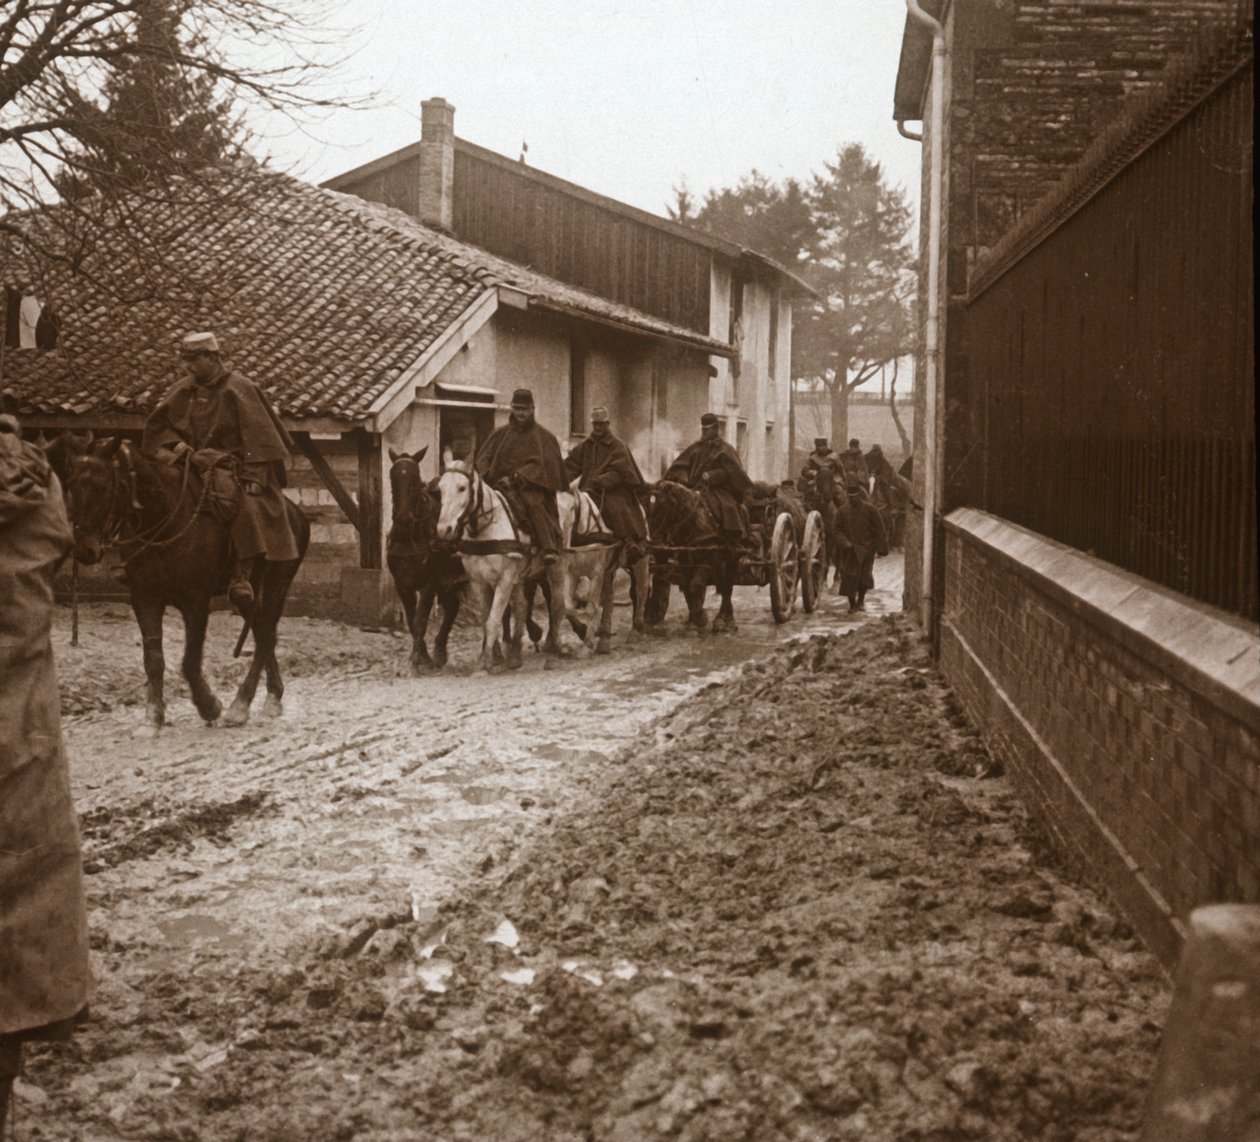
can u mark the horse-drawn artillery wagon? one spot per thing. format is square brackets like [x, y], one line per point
[784, 548]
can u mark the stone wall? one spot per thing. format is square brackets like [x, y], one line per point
[1128, 717]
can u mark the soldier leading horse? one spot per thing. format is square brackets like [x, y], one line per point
[176, 554]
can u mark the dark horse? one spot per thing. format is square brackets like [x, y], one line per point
[422, 567]
[175, 554]
[679, 518]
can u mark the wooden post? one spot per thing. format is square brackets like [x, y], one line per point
[322, 468]
[1207, 1084]
[370, 500]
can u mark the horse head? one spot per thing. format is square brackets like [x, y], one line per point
[414, 508]
[98, 494]
[64, 449]
[672, 507]
[462, 493]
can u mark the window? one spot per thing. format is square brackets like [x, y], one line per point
[577, 384]
[773, 354]
[28, 323]
[735, 331]
[741, 440]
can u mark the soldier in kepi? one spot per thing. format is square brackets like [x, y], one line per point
[524, 458]
[222, 410]
[822, 456]
[712, 467]
[604, 467]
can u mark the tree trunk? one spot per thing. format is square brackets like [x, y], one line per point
[907, 447]
[840, 418]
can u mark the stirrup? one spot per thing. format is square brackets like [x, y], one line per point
[241, 592]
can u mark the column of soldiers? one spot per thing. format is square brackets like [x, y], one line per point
[860, 534]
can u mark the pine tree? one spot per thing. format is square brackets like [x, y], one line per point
[847, 235]
[157, 117]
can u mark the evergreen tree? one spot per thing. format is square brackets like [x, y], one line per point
[848, 235]
[157, 116]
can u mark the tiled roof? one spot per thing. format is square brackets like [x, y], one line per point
[322, 299]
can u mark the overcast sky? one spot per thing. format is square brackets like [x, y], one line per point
[625, 97]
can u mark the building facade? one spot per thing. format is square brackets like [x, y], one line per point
[1085, 432]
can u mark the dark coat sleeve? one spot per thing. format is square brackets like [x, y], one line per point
[162, 428]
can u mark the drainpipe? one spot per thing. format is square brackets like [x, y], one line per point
[931, 331]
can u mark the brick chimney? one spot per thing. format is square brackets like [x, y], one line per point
[437, 163]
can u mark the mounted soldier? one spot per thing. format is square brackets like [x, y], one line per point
[821, 457]
[712, 467]
[524, 459]
[605, 468]
[853, 464]
[220, 410]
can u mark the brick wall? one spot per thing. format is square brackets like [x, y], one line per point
[1128, 717]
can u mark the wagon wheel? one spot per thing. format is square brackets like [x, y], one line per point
[783, 568]
[813, 562]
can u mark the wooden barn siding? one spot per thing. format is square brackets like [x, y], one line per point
[397, 186]
[334, 539]
[579, 243]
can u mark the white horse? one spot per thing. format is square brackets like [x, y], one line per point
[497, 558]
[579, 518]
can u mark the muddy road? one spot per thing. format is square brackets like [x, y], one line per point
[671, 892]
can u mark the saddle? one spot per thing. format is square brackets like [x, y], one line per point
[220, 473]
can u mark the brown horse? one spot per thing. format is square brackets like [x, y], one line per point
[688, 550]
[422, 568]
[175, 554]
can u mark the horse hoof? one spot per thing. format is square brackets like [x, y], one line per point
[272, 707]
[497, 668]
[439, 659]
[237, 715]
[602, 647]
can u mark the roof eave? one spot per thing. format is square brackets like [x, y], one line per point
[699, 343]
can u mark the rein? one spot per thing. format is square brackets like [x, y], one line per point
[146, 540]
[471, 519]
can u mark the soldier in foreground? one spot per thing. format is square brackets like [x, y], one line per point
[44, 978]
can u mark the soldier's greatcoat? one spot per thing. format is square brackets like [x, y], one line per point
[607, 470]
[44, 977]
[231, 415]
[726, 486]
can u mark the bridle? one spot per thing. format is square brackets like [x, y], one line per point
[123, 489]
[681, 509]
[471, 519]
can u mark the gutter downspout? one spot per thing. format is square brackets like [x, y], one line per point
[931, 332]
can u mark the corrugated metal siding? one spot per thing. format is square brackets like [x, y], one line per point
[1116, 364]
[580, 243]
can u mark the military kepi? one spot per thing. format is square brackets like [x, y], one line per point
[199, 343]
[524, 398]
[708, 420]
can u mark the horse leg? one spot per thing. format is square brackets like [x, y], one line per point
[725, 584]
[420, 660]
[448, 599]
[658, 603]
[530, 590]
[196, 615]
[639, 588]
[273, 586]
[493, 638]
[149, 615]
[555, 575]
[517, 634]
[607, 580]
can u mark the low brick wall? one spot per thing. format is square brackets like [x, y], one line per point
[1128, 716]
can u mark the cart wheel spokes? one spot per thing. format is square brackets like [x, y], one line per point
[813, 562]
[784, 568]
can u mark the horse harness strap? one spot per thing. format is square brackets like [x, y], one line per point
[491, 547]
